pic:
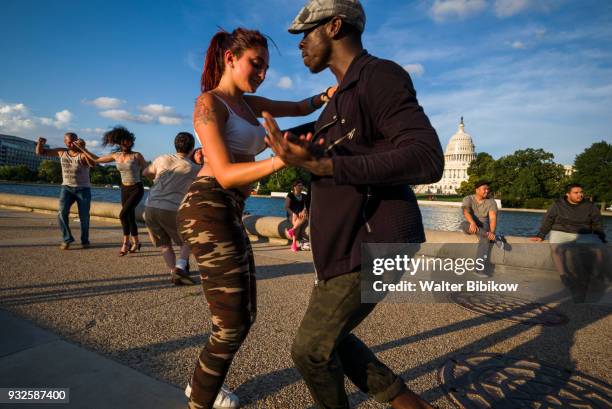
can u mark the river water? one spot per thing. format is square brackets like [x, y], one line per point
[515, 223]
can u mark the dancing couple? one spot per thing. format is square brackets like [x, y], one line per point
[372, 142]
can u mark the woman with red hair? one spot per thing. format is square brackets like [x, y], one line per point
[210, 216]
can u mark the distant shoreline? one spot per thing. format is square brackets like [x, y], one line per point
[10, 182]
[421, 202]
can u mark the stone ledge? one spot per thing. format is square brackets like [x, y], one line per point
[523, 253]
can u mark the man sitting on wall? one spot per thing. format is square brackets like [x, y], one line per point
[480, 214]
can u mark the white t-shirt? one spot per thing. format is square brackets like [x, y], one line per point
[173, 176]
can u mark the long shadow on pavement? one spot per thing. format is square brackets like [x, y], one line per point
[283, 270]
[276, 380]
[83, 292]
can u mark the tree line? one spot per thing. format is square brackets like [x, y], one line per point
[51, 172]
[530, 178]
[527, 178]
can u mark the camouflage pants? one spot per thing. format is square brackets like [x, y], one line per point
[210, 221]
[324, 349]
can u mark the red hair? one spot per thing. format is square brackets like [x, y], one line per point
[237, 41]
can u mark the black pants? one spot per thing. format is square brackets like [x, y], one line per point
[130, 197]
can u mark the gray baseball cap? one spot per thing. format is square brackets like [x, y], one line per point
[316, 11]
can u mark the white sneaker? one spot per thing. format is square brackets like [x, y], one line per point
[225, 398]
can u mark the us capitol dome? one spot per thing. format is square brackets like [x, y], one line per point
[459, 153]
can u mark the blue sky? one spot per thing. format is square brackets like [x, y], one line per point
[523, 73]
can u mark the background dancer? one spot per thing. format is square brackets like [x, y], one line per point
[75, 162]
[130, 165]
[172, 176]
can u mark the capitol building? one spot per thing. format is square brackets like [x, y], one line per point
[459, 153]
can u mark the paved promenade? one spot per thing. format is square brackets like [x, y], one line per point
[120, 335]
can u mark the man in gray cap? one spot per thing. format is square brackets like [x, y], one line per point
[372, 142]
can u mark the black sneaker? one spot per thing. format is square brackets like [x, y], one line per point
[180, 277]
[500, 241]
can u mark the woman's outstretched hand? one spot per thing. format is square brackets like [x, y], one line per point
[294, 151]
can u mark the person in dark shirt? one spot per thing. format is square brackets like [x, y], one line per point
[572, 219]
[576, 237]
[371, 143]
[296, 205]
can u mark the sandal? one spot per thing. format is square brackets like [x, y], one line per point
[124, 250]
[135, 247]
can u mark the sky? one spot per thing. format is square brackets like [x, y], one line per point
[522, 73]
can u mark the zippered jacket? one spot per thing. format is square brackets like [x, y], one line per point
[380, 142]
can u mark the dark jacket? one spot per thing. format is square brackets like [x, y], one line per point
[581, 218]
[381, 142]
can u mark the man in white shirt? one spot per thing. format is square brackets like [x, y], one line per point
[172, 176]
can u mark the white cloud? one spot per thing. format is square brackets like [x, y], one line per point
[62, 118]
[105, 102]
[540, 100]
[156, 109]
[92, 143]
[518, 44]
[508, 8]
[92, 131]
[12, 109]
[123, 115]
[285, 83]
[17, 118]
[443, 10]
[117, 114]
[152, 113]
[415, 69]
[169, 120]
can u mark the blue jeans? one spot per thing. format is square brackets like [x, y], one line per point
[69, 195]
[484, 247]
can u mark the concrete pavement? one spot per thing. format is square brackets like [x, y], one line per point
[31, 357]
[119, 335]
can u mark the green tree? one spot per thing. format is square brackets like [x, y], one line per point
[593, 170]
[18, 173]
[282, 180]
[480, 168]
[50, 171]
[99, 175]
[526, 174]
[114, 177]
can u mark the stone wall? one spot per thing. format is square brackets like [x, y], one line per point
[522, 252]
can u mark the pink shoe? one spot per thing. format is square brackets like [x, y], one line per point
[294, 246]
[290, 233]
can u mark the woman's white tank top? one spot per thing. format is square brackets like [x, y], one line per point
[241, 136]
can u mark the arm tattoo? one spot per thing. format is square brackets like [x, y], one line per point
[203, 113]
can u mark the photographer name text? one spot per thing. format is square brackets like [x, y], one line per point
[444, 286]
